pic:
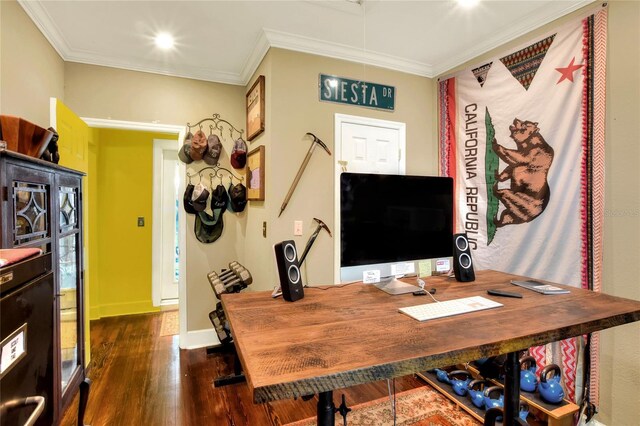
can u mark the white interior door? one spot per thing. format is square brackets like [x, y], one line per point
[165, 223]
[370, 149]
[365, 145]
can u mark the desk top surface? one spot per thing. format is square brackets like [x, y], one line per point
[347, 335]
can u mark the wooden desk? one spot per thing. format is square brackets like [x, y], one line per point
[345, 336]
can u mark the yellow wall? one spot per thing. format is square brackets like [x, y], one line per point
[91, 220]
[74, 138]
[124, 193]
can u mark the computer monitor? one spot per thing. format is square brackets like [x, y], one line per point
[390, 219]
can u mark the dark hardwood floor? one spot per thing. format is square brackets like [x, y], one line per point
[141, 378]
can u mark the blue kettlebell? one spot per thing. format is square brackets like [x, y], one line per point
[476, 392]
[524, 411]
[442, 376]
[550, 389]
[528, 378]
[460, 381]
[490, 402]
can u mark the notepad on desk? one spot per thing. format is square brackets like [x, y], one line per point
[539, 287]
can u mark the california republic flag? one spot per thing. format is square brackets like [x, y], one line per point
[522, 134]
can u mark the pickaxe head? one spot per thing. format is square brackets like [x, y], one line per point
[321, 224]
[322, 144]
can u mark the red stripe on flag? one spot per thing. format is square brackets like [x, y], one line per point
[540, 355]
[569, 354]
[452, 141]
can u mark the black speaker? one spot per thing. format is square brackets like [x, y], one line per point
[462, 263]
[289, 271]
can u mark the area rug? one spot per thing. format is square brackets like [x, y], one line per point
[170, 324]
[422, 406]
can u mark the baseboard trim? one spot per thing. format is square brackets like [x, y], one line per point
[118, 309]
[199, 339]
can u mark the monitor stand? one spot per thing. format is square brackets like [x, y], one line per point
[392, 285]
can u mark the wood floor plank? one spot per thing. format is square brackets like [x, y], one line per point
[142, 378]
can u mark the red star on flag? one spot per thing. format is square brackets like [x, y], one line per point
[567, 72]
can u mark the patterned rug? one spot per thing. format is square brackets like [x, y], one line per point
[170, 324]
[422, 406]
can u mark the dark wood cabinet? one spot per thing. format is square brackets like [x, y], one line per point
[41, 206]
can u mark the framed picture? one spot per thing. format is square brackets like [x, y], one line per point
[255, 109]
[255, 174]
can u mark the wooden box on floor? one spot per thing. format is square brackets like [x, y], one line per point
[558, 415]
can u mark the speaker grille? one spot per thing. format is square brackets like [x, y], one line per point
[461, 243]
[465, 260]
[294, 274]
[290, 252]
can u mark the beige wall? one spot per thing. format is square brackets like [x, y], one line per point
[31, 71]
[293, 109]
[620, 347]
[620, 363]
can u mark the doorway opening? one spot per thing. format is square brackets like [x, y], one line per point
[176, 237]
[166, 229]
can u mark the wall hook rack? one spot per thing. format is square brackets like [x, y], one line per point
[218, 124]
[217, 172]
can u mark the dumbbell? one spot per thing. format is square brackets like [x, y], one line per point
[241, 275]
[216, 284]
[221, 287]
[232, 267]
[231, 281]
[243, 279]
[220, 324]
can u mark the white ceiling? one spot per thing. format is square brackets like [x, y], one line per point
[224, 41]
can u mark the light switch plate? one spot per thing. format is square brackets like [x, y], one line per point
[297, 227]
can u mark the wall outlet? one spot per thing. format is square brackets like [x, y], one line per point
[141, 221]
[297, 227]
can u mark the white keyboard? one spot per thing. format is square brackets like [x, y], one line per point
[449, 308]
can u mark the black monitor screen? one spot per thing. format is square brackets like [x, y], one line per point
[394, 218]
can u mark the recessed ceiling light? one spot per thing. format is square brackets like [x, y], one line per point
[164, 40]
[468, 4]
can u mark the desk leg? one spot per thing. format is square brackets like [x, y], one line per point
[326, 409]
[511, 389]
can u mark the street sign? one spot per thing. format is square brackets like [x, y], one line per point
[356, 92]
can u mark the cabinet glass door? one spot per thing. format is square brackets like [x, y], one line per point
[30, 212]
[68, 250]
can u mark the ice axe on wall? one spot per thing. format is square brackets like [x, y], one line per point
[312, 148]
[321, 225]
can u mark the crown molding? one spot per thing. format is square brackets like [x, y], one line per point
[194, 73]
[260, 49]
[103, 123]
[272, 38]
[47, 26]
[298, 43]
